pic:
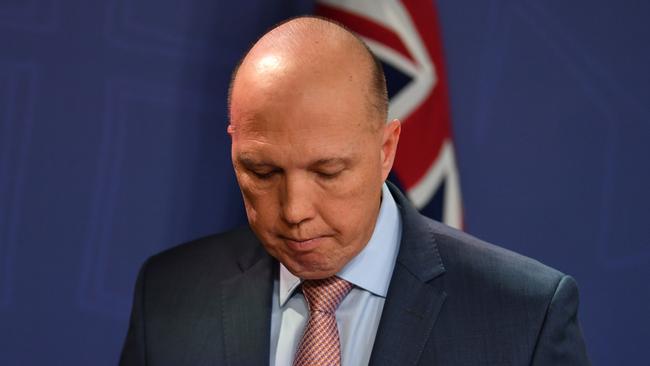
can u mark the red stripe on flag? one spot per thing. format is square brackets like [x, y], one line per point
[426, 129]
[365, 28]
[420, 142]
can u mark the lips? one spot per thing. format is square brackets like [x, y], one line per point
[304, 245]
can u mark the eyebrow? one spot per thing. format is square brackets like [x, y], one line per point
[329, 162]
[250, 162]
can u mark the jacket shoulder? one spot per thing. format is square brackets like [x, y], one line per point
[497, 301]
[220, 255]
[473, 260]
[178, 304]
[506, 307]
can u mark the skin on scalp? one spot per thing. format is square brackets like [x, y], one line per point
[310, 148]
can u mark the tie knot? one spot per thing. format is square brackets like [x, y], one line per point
[326, 294]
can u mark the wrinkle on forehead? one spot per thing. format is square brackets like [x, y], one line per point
[302, 143]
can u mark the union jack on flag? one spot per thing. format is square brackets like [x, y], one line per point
[404, 35]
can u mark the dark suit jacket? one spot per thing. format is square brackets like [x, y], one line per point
[452, 300]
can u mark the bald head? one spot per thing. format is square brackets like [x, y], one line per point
[308, 50]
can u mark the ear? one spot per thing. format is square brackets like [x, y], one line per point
[390, 139]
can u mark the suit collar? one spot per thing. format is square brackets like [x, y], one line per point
[414, 297]
[418, 250]
[246, 304]
[254, 254]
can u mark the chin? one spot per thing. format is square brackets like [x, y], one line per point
[311, 272]
[316, 275]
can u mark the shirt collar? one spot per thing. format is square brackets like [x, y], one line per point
[368, 269]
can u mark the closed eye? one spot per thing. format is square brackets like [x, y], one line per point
[329, 175]
[264, 175]
[330, 168]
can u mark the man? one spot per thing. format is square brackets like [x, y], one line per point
[337, 267]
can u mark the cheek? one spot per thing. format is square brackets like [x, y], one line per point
[353, 210]
[259, 207]
[256, 201]
[254, 191]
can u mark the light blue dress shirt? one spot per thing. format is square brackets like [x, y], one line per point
[359, 313]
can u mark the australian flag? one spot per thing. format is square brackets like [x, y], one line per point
[405, 36]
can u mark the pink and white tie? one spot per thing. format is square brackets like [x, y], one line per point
[320, 343]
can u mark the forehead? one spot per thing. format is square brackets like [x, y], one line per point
[318, 84]
[295, 111]
[314, 119]
[299, 144]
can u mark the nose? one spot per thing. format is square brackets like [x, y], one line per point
[297, 200]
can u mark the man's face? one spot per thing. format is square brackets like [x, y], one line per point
[310, 167]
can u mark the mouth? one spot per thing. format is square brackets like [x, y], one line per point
[303, 244]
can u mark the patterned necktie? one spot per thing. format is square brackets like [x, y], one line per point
[320, 343]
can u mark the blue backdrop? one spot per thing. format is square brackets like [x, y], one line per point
[113, 147]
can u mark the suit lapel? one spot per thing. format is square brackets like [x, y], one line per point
[246, 304]
[414, 297]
